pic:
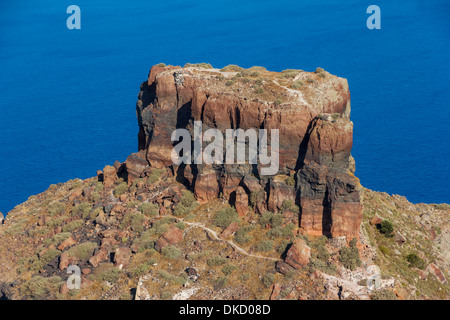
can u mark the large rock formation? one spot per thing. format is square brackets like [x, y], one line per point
[311, 111]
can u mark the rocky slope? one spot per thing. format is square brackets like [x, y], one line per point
[148, 229]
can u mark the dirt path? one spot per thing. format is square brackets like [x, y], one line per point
[216, 236]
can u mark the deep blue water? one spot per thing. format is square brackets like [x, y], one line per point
[67, 97]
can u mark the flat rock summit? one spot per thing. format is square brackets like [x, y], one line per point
[148, 228]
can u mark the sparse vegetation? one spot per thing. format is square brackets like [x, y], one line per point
[170, 252]
[155, 175]
[216, 261]
[349, 256]
[226, 216]
[383, 294]
[265, 246]
[120, 189]
[149, 209]
[415, 261]
[231, 68]
[386, 227]
[82, 251]
[297, 84]
[268, 279]
[72, 226]
[186, 204]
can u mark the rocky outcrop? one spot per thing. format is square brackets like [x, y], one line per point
[315, 140]
[298, 254]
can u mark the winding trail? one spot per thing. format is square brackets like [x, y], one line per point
[216, 237]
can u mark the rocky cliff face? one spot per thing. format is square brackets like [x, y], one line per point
[311, 111]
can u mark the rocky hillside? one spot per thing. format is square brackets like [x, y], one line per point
[148, 229]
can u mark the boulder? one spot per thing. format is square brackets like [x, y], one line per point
[376, 220]
[282, 267]
[229, 231]
[122, 257]
[135, 165]
[70, 241]
[399, 238]
[434, 269]
[100, 256]
[109, 176]
[172, 236]
[298, 254]
[241, 202]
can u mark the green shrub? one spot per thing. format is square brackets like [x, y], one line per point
[162, 64]
[56, 208]
[383, 294]
[265, 246]
[120, 189]
[82, 251]
[324, 266]
[155, 175]
[384, 250]
[277, 220]
[231, 68]
[141, 270]
[415, 261]
[186, 204]
[319, 70]
[228, 269]
[241, 236]
[149, 209]
[220, 283]
[386, 227]
[216, 261]
[201, 65]
[145, 241]
[56, 222]
[180, 225]
[72, 226]
[225, 217]
[229, 83]
[297, 84]
[166, 295]
[107, 272]
[171, 252]
[268, 280]
[289, 73]
[310, 80]
[257, 68]
[82, 210]
[349, 256]
[266, 218]
[281, 232]
[38, 286]
[289, 205]
[49, 256]
[135, 220]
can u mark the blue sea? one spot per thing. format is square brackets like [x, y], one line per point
[67, 97]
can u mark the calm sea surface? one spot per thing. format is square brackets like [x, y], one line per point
[67, 97]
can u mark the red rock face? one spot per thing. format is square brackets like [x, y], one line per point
[315, 136]
[298, 254]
